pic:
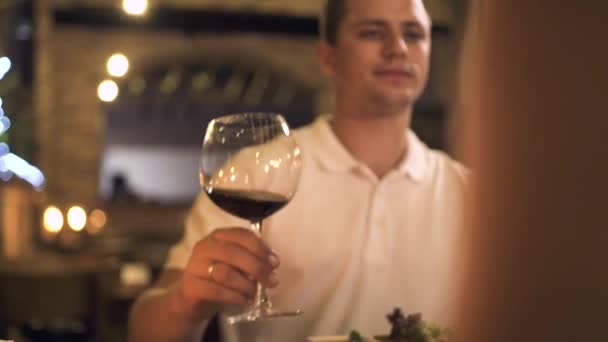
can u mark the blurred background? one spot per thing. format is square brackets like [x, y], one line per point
[104, 104]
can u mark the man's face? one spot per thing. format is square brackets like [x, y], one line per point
[381, 53]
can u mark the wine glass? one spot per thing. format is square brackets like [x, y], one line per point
[250, 167]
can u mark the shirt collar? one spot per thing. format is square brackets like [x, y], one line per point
[415, 163]
[333, 156]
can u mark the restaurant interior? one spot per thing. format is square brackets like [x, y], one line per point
[108, 102]
[104, 104]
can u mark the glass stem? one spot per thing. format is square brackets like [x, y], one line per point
[261, 297]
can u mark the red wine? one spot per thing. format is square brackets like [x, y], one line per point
[249, 205]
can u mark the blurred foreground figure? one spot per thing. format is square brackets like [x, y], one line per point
[535, 253]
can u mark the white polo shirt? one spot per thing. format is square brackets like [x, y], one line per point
[352, 246]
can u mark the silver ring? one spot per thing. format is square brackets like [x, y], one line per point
[210, 270]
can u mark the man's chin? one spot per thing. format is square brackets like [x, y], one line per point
[397, 100]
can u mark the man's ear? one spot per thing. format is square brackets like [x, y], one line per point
[325, 54]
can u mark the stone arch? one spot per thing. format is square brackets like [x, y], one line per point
[179, 93]
[168, 97]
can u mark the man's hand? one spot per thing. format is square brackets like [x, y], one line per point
[223, 270]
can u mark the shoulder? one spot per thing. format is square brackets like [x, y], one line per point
[445, 167]
[312, 138]
[306, 134]
[434, 166]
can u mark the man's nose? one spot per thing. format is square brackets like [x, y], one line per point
[395, 46]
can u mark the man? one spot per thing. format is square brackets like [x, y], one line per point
[372, 224]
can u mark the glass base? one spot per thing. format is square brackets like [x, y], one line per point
[258, 314]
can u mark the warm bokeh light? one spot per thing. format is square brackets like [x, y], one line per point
[52, 219]
[97, 221]
[77, 218]
[135, 274]
[107, 91]
[135, 7]
[118, 65]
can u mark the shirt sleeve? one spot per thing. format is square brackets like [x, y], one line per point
[203, 218]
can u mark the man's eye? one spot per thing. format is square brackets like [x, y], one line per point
[370, 34]
[414, 35]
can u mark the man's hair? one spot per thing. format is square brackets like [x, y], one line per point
[331, 17]
[333, 13]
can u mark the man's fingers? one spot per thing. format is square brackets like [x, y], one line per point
[209, 291]
[249, 240]
[229, 277]
[235, 256]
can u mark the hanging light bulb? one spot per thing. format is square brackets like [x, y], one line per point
[107, 91]
[118, 65]
[135, 7]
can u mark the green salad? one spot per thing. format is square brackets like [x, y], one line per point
[410, 328]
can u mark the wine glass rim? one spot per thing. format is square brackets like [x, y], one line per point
[248, 114]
